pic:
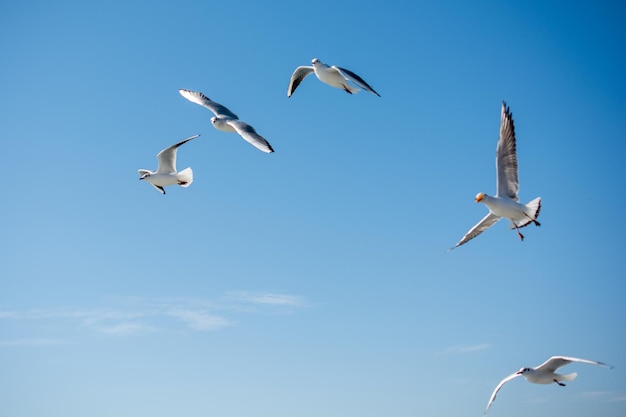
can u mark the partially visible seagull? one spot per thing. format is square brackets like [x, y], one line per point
[545, 374]
[166, 172]
[334, 76]
[228, 121]
[505, 203]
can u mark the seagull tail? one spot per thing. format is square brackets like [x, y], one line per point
[568, 377]
[185, 177]
[532, 210]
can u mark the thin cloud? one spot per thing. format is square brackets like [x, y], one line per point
[269, 298]
[199, 320]
[131, 315]
[34, 342]
[462, 349]
[611, 396]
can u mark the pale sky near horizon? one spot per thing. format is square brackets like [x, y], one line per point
[314, 281]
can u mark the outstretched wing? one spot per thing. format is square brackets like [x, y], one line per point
[555, 362]
[204, 101]
[167, 157]
[250, 135]
[349, 75]
[495, 391]
[506, 157]
[297, 77]
[487, 221]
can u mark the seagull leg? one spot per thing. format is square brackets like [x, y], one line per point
[532, 220]
[560, 383]
[521, 236]
[346, 90]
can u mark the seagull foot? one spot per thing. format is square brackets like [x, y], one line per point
[536, 223]
[560, 383]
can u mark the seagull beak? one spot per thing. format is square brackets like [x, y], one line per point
[480, 197]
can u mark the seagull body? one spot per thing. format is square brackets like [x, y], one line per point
[166, 172]
[227, 121]
[505, 204]
[545, 374]
[334, 76]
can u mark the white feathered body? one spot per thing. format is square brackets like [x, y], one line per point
[520, 214]
[547, 377]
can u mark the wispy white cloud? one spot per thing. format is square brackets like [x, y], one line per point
[199, 320]
[611, 396]
[461, 349]
[269, 298]
[130, 315]
[34, 342]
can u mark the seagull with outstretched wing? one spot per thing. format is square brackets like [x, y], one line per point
[227, 121]
[334, 76]
[166, 173]
[545, 374]
[506, 202]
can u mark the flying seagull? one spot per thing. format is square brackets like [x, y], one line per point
[166, 172]
[506, 202]
[545, 374]
[228, 121]
[334, 76]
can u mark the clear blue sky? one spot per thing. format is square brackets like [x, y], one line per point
[313, 281]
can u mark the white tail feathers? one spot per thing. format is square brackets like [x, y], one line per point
[185, 177]
[569, 377]
[532, 210]
[534, 207]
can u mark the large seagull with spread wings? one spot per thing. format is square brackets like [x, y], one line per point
[506, 202]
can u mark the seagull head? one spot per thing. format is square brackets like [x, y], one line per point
[480, 197]
[144, 176]
[316, 61]
[523, 371]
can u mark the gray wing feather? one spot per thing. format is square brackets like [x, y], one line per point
[167, 157]
[556, 362]
[296, 78]
[349, 75]
[506, 157]
[251, 136]
[204, 101]
[487, 221]
[495, 391]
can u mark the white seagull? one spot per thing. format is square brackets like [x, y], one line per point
[334, 76]
[227, 121]
[545, 374]
[505, 203]
[166, 172]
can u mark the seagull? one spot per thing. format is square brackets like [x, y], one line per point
[166, 172]
[228, 121]
[545, 373]
[505, 203]
[334, 76]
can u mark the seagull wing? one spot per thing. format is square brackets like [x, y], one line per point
[167, 157]
[204, 101]
[495, 391]
[487, 221]
[297, 77]
[350, 76]
[250, 135]
[506, 157]
[555, 362]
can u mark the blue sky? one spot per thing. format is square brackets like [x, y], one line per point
[313, 281]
